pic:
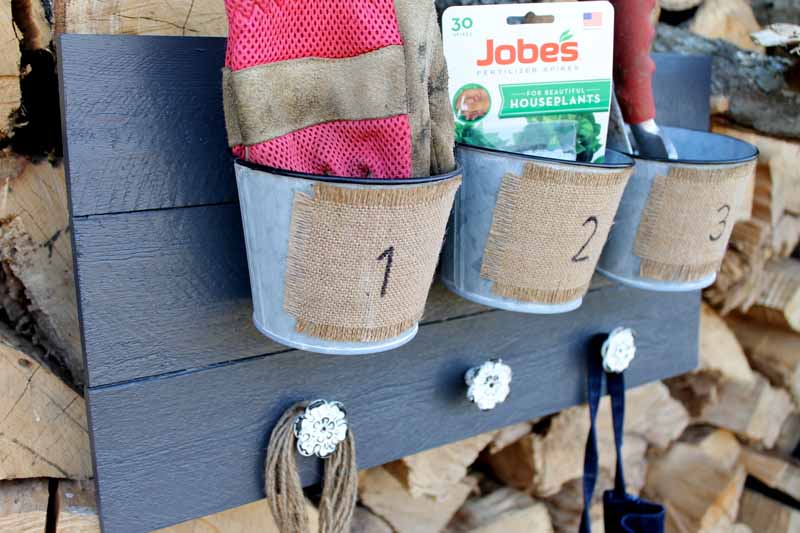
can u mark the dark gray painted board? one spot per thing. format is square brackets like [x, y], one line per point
[129, 146]
[174, 282]
[169, 449]
[682, 91]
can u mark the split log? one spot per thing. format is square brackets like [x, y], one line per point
[781, 157]
[37, 285]
[720, 350]
[566, 507]
[434, 472]
[774, 352]
[679, 5]
[9, 70]
[762, 513]
[36, 124]
[726, 393]
[698, 493]
[503, 511]
[739, 280]
[768, 197]
[778, 299]
[366, 522]
[786, 236]
[385, 496]
[543, 462]
[779, 473]
[77, 513]
[787, 35]
[44, 431]
[719, 445]
[23, 505]
[255, 516]
[180, 17]
[788, 442]
[754, 84]
[76, 510]
[509, 435]
[721, 360]
[732, 20]
[756, 411]
[772, 11]
[32, 24]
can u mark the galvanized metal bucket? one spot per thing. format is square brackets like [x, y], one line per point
[266, 201]
[697, 150]
[471, 223]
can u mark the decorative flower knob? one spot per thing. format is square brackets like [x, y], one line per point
[618, 350]
[489, 384]
[320, 429]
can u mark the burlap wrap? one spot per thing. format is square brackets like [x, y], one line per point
[548, 229]
[688, 219]
[361, 261]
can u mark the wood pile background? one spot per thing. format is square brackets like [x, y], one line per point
[715, 446]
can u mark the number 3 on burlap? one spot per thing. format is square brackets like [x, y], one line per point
[723, 223]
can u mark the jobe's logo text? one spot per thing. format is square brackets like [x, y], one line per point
[528, 53]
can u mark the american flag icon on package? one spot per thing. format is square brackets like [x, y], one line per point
[592, 20]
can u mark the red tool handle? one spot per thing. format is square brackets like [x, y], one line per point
[633, 67]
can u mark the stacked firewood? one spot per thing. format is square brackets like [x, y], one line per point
[715, 446]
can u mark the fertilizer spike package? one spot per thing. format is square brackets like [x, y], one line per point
[532, 78]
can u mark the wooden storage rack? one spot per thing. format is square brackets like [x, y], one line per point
[182, 390]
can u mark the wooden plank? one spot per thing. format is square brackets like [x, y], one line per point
[175, 282]
[143, 123]
[164, 282]
[144, 129]
[690, 76]
[175, 447]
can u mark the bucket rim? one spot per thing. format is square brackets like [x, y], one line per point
[535, 158]
[387, 182]
[752, 153]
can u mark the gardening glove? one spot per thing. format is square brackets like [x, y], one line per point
[317, 87]
[432, 124]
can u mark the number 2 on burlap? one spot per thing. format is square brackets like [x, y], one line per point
[388, 255]
[578, 257]
[722, 223]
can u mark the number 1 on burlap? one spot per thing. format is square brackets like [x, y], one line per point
[388, 255]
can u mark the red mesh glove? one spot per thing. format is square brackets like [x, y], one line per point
[328, 68]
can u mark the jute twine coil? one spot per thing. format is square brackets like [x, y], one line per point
[285, 492]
